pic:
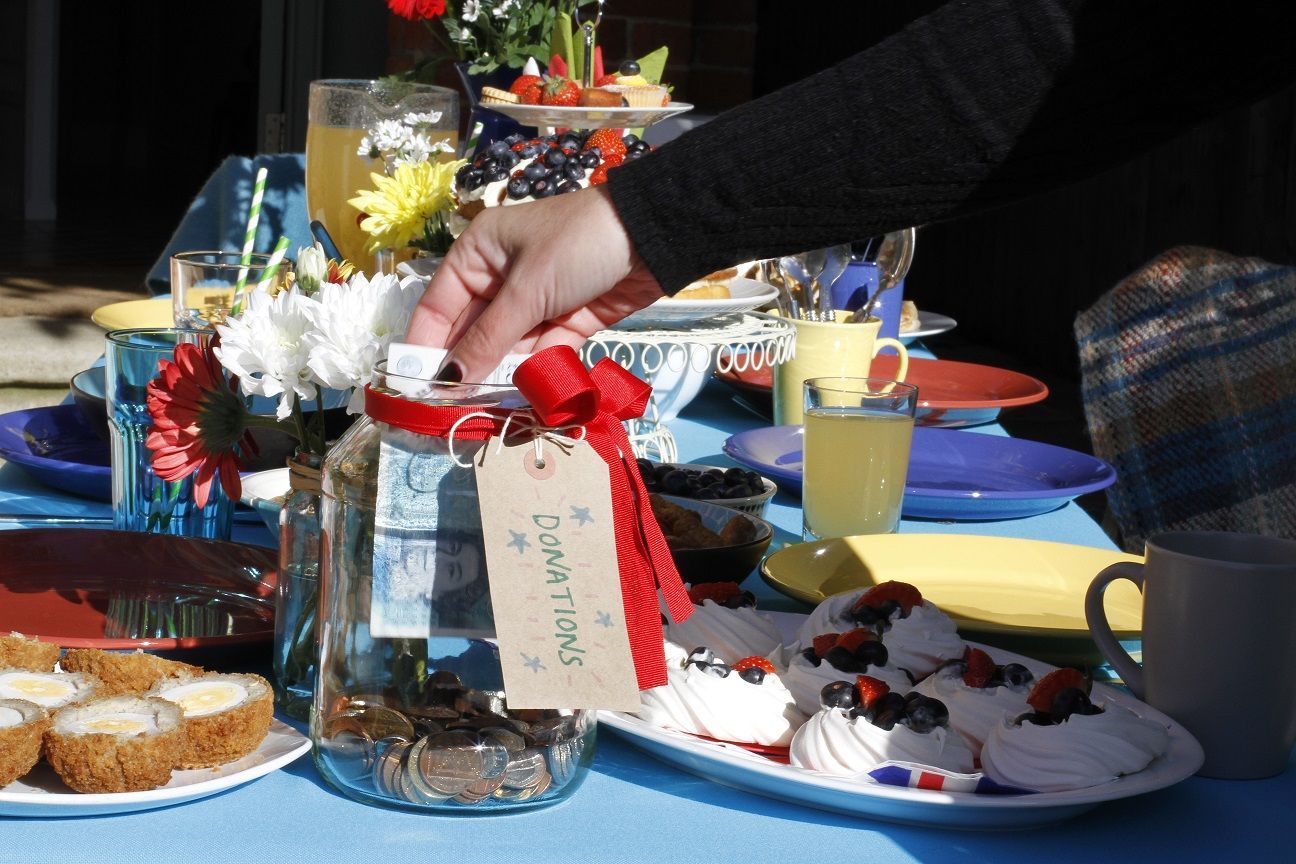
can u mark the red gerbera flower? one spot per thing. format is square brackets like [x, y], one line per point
[417, 10]
[198, 418]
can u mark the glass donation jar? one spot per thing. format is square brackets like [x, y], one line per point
[298, 590]
[409, 708]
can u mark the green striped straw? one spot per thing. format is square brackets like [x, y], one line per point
[473, 138]
[272, 266]
[254, 216]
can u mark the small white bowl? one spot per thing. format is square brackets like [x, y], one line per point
[265, 491]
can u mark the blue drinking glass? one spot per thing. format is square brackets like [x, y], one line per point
[143, 501]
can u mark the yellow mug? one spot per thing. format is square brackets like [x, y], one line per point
[828, 349]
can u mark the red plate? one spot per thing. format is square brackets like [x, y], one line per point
[949, 393]
[117, 589]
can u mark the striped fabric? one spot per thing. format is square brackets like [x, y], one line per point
[1188, 369]
[916, 776]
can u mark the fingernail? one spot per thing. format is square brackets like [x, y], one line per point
[451, 372]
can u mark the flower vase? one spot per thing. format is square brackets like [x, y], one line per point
[296, 634]
[494, 124]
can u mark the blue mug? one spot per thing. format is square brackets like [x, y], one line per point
[860, 282]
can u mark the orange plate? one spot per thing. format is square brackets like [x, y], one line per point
[83, 588]
[949, 393]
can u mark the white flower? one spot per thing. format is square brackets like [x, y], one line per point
[502, 10]
[417, 149]
[389, 134]
[422, 121]
[471, 9]
[354, 326]
[312, 268]
[266, 347]
[464, 35]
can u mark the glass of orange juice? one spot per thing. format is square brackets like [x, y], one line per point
[341, 113]
[855, 455]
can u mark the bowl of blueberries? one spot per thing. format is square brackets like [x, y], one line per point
[735, 488]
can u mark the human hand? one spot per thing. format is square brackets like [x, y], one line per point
[549, 272]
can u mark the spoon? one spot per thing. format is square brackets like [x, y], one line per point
[894, 258]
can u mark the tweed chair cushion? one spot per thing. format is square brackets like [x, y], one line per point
[1188, 369]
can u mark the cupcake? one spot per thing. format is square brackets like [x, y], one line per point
[919, 637]
[115, 744]
[50, 690]
[836, 656]
[225, 716]
[745, 703]
[22, 726]
[979, 694]
[863, 724]
[1067, 741]
[725, 620]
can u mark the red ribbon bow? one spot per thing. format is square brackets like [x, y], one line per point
[562, 392]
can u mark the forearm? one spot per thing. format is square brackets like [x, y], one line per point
[972, 106]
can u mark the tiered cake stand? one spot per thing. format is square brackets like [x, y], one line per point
[678, 362]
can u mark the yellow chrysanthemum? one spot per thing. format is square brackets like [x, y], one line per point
[398, 207]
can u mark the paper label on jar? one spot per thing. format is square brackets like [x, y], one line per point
[554, 581]
[429, 567]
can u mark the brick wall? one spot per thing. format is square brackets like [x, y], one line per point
[712, 45]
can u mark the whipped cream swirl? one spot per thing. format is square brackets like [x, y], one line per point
[729, 709]
[834, 743]
[921, 642]
[973, 711]
[1083, 750]
[732, 633]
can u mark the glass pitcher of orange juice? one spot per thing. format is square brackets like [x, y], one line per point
[341, 113]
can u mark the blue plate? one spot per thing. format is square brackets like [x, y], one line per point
[952, 474]
[58, 447]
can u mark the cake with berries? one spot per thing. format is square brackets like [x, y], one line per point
[745, 702]
[515, 169]
[725, 620]
[918, 636]
[833, 656]
[863, 723]
[1066, 741]
[979, 693]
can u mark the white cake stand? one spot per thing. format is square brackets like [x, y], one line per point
[678, 362]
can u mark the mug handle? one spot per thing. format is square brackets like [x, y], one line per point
[1104, 638]
[900, 349]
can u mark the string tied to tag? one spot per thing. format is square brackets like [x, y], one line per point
[522, 424]
[566, 398]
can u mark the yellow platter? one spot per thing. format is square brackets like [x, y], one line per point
[130, 314]
[1025, 595]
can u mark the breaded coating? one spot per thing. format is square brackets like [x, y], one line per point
[19, 652]
[125, 673]
[20, 744]
[107, 762]
[223, 736]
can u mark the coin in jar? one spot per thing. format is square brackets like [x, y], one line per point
[388, 769]
[561, 760]
[524, 769]
[420, 791]
[450, 762]
[480, 790]
[373, 721]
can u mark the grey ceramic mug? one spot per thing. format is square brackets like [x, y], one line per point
[1219, 643]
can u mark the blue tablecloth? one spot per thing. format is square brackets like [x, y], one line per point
[636, 809]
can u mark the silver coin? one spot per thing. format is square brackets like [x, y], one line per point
[524, 769]
[494, 756]
[422, 793]
[561, 762]
[511, 741]
[371, 721]
[350, 755]
[480, 791]
[387, 771]
[450, 763]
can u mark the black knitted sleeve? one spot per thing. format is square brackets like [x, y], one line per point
[974, 105]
